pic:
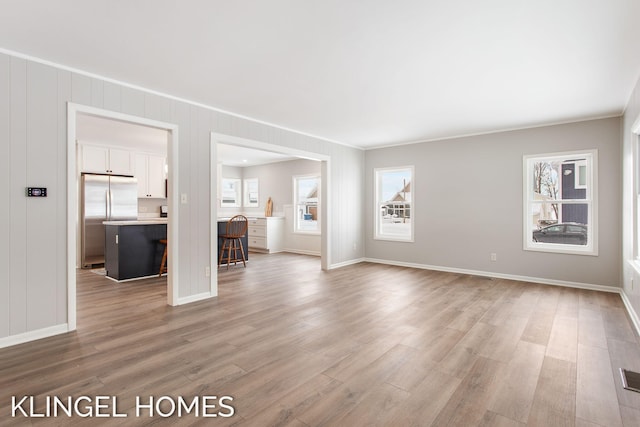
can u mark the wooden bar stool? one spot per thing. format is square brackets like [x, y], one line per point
[163, 264]
[232, 241]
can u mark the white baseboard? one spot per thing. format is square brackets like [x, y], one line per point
[301, 252]
[346, 263]
[194, 298]
[542, 281]
[635, 319]
[34, 335]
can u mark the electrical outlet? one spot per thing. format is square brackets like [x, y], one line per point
[207, 271]
[494, 257]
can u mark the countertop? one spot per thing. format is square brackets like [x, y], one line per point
[252, 217]
[154, 221]
[145, 221]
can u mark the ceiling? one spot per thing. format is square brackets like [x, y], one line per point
[364, 73]
[106, 131]
[231, 155]
[101, 130]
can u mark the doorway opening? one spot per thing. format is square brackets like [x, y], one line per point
[77, 113]
[276, 162]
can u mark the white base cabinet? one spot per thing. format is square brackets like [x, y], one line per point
[266, 234]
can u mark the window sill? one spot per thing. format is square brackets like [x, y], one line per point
[308, 233]
[393, 239]
[561, 249]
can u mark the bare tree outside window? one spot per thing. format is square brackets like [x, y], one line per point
[546, 185]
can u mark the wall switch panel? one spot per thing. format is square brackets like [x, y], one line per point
[36, 191]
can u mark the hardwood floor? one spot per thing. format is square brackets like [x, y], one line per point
[364, 345]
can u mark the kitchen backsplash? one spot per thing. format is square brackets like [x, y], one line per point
[150, 208]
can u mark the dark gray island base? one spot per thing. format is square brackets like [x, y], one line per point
[133, 249]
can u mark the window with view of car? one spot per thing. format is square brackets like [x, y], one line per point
[394, 204]
[560, 208]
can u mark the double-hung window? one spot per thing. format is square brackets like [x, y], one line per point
[394, 209]
[230, 189]
[306, 195]
[560, 202]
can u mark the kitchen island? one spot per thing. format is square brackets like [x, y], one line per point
[133, 249]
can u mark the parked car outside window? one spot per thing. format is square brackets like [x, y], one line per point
[566, 233]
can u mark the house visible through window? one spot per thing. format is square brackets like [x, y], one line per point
[306, 203]
[230, 189]
[560, 208]
[393, 204]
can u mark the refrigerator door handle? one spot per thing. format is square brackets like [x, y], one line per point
[108, 200]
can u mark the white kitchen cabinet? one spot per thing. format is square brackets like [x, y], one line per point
[266, 234]
[102, 159]
[149, 170]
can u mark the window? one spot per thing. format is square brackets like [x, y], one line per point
[581, 175]
[306, 201]
[560, 203]
[230, 192]
[251, 193]
[393, 204]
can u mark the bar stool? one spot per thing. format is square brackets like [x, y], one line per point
[232, 241]
[163, 264]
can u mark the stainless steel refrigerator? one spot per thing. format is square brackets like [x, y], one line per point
[104, 198]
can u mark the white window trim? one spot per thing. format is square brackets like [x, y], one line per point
[376, 217]
[295, 205]
[635, 150]
[245, 185]
[591, 248]
[576, 175]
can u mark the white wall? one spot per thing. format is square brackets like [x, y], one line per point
[468, 203]
[33, 144]
[631, 187]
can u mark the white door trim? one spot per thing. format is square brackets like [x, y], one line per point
[325, 194]
[72, 200]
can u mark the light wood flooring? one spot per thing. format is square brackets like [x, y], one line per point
[363, 345]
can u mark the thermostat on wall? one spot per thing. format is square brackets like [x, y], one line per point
[36, 191]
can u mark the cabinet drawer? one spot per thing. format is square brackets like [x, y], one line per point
[260, 222]
[257, 231]
[258, 242]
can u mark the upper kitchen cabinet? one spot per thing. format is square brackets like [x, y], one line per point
[150, 172]
[101, 159]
